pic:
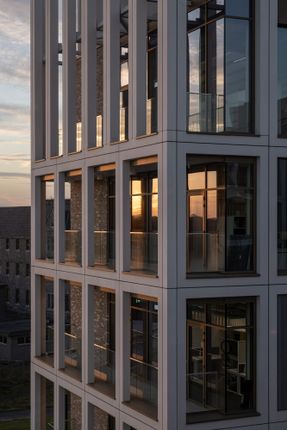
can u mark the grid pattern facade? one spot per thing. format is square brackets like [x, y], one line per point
[120, 286]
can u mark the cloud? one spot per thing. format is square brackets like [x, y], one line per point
[14, 41]
[5, 175]
[15, 157]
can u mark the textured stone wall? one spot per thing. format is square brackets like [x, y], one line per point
[76, 204]
[101, 320]
[76, 412]
[102, 421]
[76, 313]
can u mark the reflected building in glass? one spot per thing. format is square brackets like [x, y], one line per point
[159, 214]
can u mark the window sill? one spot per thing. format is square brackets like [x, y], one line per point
[140, 274]
[216, 275]
[200, 417]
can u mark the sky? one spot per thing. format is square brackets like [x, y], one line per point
[14, 103]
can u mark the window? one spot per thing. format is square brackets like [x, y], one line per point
[46, 320]
[27, 297]
[104, 216]
[72, 329]
[27, 273]
[220, 374]
[17, 295]
[282, 68]
[124, 71]
[220, 214]
[27, 245]
[72, 407]
[7, 244]
[144, 216]
[7, 268]
[17, 269]
[17, 244]
[281, 217]
[144, 355]
[100, 420]
[281, 352]
[3, 339]
[104, 340]
[46, 410]
[23, 340]
[219, 51]
[72, 218]
[47, 218]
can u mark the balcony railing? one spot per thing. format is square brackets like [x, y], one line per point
[197, 384]
[73, 246]
[104, 249]
[205, 112]
[144, 382]
[73, 348]
[104, 364]
[144, 252]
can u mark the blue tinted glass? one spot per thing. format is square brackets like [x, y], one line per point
[238, 8]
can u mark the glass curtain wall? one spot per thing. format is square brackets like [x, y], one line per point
[104, 216]
[47, 328]
[219, 66]
[144, 216]
[124, 70]
[46, 404]
[73, 329]
[282, 68]
[104, 340]
[282, 217]
[220, 373]
[73, 217]
[101, 420]
[72, 414]
[144, 355]
[47, 217]
[220, 215]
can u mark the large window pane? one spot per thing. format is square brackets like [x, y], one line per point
[144, 215]
[220, 358]
[220, 210]
[104, 341]
[73, 329]
[100, 420]
[47, 320]
[282, 352]
[72, 413]
[282, 217]
[46, 404]
[144, 356]
[47, 217]
[282, 68]
[219, 66]
[73, 217]
[104, 216]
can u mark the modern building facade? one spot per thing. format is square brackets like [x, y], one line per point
[159, 172]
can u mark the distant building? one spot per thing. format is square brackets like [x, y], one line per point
[15, 340]
[15, 258]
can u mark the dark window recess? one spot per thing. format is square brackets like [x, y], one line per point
[17, 296]
[27, 297]
[17, 269]
[17, 244]
[220, 360]
[282, 68]
[7, 244]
